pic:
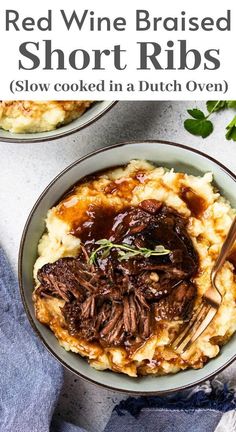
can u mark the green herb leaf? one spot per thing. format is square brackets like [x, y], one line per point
[214, 106]
[201, 128]
[92, 257]
[127, 255]
[231, 104]
[159, 248]
[125, 251]
[197, 114]
[200, 125]
[106, 253]
[231, 130]
[103, 242]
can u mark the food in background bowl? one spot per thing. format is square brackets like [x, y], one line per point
[126, 259]
[22, 117]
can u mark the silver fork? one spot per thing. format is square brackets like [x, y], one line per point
[211, 300]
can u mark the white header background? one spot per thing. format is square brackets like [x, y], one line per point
[90, 40]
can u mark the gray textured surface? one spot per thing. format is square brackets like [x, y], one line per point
[26, 169]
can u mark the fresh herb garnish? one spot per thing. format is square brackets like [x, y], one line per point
[125, 251]
[200, 125]
[231, 130]
[231, 104]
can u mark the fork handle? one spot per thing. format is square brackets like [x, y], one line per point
[225, 250]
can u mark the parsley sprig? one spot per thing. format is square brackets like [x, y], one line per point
[200, 125]
[125, 251]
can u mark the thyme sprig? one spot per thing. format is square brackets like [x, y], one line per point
[125, 251]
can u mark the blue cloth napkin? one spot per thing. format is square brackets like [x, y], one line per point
[200, 412]
[30, 383]
[30, 379]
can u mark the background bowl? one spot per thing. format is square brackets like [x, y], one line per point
[166, 154]
[92, 114]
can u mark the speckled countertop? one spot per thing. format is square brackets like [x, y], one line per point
[26, 169]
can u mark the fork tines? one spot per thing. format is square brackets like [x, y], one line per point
[194, 328]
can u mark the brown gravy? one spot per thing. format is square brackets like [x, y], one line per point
[196, 204]
[97, 224]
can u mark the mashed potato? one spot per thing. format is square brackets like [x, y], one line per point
[39, 116]
[207, 227]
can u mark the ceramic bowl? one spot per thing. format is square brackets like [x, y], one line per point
[165, 154]
[97, 110]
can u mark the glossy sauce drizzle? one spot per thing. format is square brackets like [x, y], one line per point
[196, 204]
[97, 225]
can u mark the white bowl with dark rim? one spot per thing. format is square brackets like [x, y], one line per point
[162, 153]
[93, 113]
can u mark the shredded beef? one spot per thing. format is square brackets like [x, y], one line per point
[121, 302]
